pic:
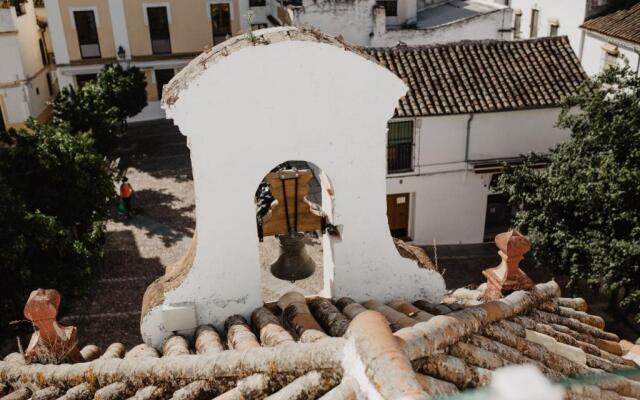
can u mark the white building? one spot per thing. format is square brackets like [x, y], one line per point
[382, 23]
[611, 38]
[540, 18]
[25, 81]
[471, 106]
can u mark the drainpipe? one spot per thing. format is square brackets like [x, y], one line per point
[637, 51]
[466, 147]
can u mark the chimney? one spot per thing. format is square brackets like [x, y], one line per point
[379, 21]
[508, 277]
[51, 342]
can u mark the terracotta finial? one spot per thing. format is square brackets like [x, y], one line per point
[508, 277]
[51, 343]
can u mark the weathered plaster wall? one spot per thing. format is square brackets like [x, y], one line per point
[312, 114]
[353, 20]
[485, 26]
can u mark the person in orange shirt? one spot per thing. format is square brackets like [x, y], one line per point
[126, 193]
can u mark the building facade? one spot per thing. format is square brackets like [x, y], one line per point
[159, 37]
[471, 106]
[162, 36]
[26, 82]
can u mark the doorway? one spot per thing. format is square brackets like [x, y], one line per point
[398, 215]
[221, 22]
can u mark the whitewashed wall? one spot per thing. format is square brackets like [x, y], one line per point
[351, 19]
[593, 55]
[449, 200]
[486, 26]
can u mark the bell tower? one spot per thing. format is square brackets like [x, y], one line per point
[255, 100]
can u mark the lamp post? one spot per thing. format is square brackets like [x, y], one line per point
[121, 57]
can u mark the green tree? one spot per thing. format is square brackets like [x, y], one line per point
[582, 212]
[57, 173]
[54, 191]
[102, 106]
[85, 110]
[124, 89]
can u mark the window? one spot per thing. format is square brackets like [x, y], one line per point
[43, 52]
[257, 3]
[533, 32]
[255, 27]
[517, 24]
[400, 147]
[390, 7]
[554, 26]
[163, 76]
[83, 79]
[220, 22]
[159, 30]
[87, 31]
[49, 84]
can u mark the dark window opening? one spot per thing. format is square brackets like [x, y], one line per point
[255, 27]
[220, 22]
[163, 76]
[159, 30]
[87, 31]
[49, 84]
[499, 215]
[43, 52]
[390, 7]
[257, 3]
[400, 147]
[83, 79]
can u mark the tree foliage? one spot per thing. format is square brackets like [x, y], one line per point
[582, 212]
[102, 106]
[54, 192]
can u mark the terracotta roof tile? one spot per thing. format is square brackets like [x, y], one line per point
[297, 352]
[482, 76]
[621, 22]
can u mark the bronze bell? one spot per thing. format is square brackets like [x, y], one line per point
[294, 262]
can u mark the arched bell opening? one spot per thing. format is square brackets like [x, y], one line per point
[294, 210]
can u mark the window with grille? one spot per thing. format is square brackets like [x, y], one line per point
[400, 147]
[390, 7]
[535, 14]
[159, 29]
[87, 31]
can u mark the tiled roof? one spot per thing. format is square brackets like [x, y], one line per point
[483, 76]
[299, 349]
[621, 22]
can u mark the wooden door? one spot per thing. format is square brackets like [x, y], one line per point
[398, 214]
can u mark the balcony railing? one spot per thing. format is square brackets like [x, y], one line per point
[90, 50]
[161, 46]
